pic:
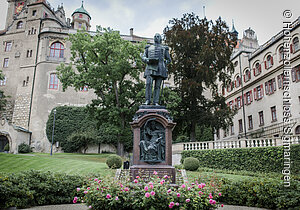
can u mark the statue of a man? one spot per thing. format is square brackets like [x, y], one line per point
[156, 57]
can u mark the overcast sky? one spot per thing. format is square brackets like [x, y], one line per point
[150, 16]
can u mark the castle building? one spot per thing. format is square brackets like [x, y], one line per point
[262, 90]
[33, 44]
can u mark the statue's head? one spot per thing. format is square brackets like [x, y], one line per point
[157, 38]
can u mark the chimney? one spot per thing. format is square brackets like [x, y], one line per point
[131, 31]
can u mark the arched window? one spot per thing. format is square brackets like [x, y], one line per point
[57, 50]
[237, 81]
[280, 53]
[269, 62]
[297, 130]
[296, 44]
[20, 24]
[257, 69]
[247, 75]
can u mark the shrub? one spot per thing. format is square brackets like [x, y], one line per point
[79, 140]
[32, 188]
[191, 164]
[114, 161]
[155, 193]
[6, 148]
[260, 159]
[24, 148]
[264, 193]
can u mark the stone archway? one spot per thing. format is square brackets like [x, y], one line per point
[3, 142]
[297, 130]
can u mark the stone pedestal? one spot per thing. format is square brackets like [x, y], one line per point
[152, 142]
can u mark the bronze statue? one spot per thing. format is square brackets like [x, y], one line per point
[157, 58]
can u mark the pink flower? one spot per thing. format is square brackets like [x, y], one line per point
[126, 189]
[146, 188]
[188, 188]
[78, 189]
[152, 193]
[90, 207]
[99, 181]
[200, 193]
[121, 185]
[154, 172]
[85, 192]
[97, 188]
[220, 194]
[135, 181]
[95, 180]
[210, 201]
[171, 204]
[178, 195]
[187, 200]
[108, 196]
[88, 188]
[177, 204]
[169, 190]
[210, 196]
[222, 205]
[74, 201]
[150, 183]
[117, 198]
[214, 202]
[162, 182]
[166, 176]
[137, 177]
[151, 186]
[147, 195]
[183, 186]
[75, 198]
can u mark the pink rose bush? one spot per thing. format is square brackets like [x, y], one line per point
[156, 193]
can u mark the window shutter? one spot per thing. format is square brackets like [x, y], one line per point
[255, 93]
[293, 74]
[265, 64]
[244, 78]
[272, 60]
[254, 71]
[249, 75]
[291, 48]
[274, 83]
[235, 83]
[259, 68]
[251, 99]
[262, 90]
[245, 99]
[267, 88]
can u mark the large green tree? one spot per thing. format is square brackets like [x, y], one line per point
[110, 66]
[200, 51]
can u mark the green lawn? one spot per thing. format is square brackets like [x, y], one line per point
[81, 164]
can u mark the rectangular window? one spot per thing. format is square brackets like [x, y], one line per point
[261, 118]
[250, 122]
[280, 81]
[296, 74]
[3, 82]
[273, 113]
[53, 84]
[238, 102]
[8, 46]
[248, 97]
[240, 126]
[232, 130]
[270, 86]
[5, 63]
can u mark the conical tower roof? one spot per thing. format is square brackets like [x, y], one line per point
[233, 30]
[82, 11]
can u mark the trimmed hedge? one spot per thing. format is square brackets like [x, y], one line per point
[263, 193]
[24, 148]
[34, 188]
[263, 159]
[114, 161]
[191, 164]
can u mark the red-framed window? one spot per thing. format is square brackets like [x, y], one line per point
[53, 83]
[8, 46]
[238, 102]
[237, 81]
[296, 74]
[57, 50]
[295, 45]
[273, 113]
[280, 51]
[230, 87]
[84, 89]
[257, 69]
[258, 92]
[270, 86]
[261, 118]
[3, 82]
[250, 122]
[269, 62]
[240, 125]
[5, 62]
[247, 75]
[248, 97]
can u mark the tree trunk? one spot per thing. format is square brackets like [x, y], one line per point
[193, 131]
[120, 149]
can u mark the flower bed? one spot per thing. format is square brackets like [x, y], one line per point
[155, 193]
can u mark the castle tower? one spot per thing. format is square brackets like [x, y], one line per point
[81, 19]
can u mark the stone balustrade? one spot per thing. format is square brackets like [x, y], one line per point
[226, 144]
